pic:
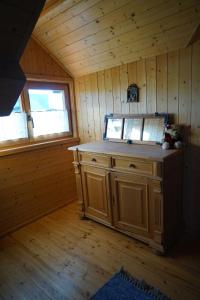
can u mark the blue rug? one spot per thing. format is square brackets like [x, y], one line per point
[122, 286]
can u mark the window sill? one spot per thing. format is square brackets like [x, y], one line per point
[39, 145]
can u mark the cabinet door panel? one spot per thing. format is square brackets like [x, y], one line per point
[96, 193]
[131, 205]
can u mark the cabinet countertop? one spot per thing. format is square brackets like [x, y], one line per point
[152, 152]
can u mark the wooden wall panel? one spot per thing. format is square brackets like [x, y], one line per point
[151, 84]
[185, 70]
[34, 183]
[36, 61]
[161, 83]
[109, 89]
[102, 98]
[37, 181]
[173, 77]
[167, 83]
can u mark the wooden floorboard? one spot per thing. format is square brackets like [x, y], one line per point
[61, 257]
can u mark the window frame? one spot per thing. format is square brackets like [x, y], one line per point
[25, 105]
[48, 85]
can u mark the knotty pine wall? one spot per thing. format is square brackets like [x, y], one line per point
[37, 62]
[37, 181]
[167, 83]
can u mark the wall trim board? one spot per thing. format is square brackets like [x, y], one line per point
[40, 145]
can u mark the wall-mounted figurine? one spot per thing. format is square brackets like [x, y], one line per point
[133, 93]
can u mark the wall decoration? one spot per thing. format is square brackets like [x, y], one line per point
[133, 93]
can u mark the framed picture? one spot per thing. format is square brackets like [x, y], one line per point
[132, 93]
[133, 129]
[114, 128]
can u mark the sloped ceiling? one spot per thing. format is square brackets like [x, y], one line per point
[86, 36]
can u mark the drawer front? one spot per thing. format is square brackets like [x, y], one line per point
[133, 165]
[95, 159]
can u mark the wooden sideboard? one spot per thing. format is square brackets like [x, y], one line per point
[135, 189]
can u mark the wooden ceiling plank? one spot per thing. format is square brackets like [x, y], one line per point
[60, 7]
[142, 16]
[128, 30]
[121, 27]
[140, 32]
[127, 58]
[65, 14]
[166, 38]
[95, 12]
[50, 5]
[117, 16]
[143, 32]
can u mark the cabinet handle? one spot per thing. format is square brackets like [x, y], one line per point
[94, 159]
[132, 166]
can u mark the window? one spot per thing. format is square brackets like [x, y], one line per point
[42, 112]
[14, 127]
[49, 109]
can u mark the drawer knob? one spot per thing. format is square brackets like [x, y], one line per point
[94, 159]
[132, 166]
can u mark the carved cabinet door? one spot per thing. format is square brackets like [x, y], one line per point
[96, 193]
[131, 203]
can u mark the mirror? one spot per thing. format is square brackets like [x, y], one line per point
[153, 129]
[114, 128]
[141, 128]
[133, 129]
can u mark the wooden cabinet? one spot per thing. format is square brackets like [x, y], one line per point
[134, 189]
[96, 193]
[131, 203]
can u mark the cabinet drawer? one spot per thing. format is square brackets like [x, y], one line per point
[133, 165]
[95, 159]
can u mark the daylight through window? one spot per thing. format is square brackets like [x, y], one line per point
[42, 112]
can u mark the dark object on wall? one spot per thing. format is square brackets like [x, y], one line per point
[133, 93]
[17, 21]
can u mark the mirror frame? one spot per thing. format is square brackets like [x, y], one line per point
[164, 116]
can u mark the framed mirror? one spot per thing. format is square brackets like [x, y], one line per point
[144, 128]
[153, 129]
[133, 129]
[114, 128]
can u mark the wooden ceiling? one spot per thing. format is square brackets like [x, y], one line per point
[86, 36]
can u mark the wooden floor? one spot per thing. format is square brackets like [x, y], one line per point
[62, 257]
